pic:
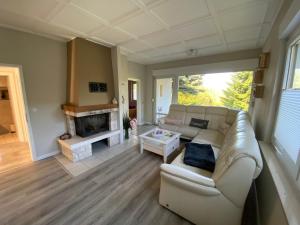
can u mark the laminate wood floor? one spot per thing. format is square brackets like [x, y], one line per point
[123, 190]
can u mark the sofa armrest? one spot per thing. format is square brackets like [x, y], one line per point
[187, 175]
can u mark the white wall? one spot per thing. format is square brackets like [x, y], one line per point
[44, 64]
[264, 109]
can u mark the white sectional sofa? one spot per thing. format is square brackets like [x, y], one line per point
[199, 195]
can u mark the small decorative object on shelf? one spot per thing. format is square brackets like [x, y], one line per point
[114, 101]
[264, 60]
[126, 125]
[258, 91]
[258, 76]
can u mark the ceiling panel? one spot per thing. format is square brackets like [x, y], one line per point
[203, 42]
[194, 30]
[32, 8]
[265, 30]
[134, 25]
[197, 29]
[111, 35]
[227, 4]
[107, 9]
[251, 15]
[242, 45]
[158, 30]
[272, 10]
[70, 13]
[177, 11]
[162, 38]
[170, 49]
[213, 50]
[135, 46]
[248, 33]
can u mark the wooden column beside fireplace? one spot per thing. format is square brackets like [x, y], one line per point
[92, 122]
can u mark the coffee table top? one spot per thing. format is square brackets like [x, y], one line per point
[166, 137]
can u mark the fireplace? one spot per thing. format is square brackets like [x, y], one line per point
[89, 125]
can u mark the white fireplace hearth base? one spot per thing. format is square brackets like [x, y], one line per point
[78, 148]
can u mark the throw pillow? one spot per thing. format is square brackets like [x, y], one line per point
[200, 155]
[223, 128]
[173, 121]
[202, 124]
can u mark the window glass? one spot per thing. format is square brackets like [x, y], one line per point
[296, 72]
[232, 90]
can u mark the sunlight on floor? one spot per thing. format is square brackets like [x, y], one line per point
[13, 153]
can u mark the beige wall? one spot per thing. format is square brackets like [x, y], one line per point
[44, 64]
[240, 55]
[263, 115]
[265, 108]
[270, 208]
[92, 63]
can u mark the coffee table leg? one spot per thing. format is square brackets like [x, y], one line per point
[141, 146]
[165, 153]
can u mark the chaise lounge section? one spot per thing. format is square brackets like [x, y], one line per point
[218, 197]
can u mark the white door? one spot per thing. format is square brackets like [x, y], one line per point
[163, 97]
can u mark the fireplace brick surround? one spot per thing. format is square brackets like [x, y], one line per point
[78, 148]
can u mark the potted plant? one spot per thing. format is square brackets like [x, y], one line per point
[126, 125]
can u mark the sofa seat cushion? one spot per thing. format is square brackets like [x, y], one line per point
[213, 137]
[168, 127]
[178, 161]
[188, 131]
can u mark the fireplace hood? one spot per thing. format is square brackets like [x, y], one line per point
[89, 64]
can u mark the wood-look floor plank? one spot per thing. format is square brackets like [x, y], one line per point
[123, 190]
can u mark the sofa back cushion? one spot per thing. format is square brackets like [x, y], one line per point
[216, 116]
[177, 112]
[197, 112]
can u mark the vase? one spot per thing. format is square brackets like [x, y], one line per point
[126, 133]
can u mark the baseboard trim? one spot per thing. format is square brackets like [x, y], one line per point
[47, 155]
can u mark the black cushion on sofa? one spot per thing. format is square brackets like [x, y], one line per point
[199, 123]
[199, 155]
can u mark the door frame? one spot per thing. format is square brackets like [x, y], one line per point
[174, 92]
[19, 104]
[138, 100]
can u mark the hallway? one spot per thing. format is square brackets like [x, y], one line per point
[13, 153]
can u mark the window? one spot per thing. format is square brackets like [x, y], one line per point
[232, 90]
[294, 66]
[286, 136]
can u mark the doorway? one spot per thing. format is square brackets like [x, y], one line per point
[133, 101]
[163, 97]
[15, 139]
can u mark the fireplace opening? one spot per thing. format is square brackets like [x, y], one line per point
[89, 125]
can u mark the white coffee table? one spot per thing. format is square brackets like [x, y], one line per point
[164, 145]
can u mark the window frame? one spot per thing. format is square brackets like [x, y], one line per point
[290, 62]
